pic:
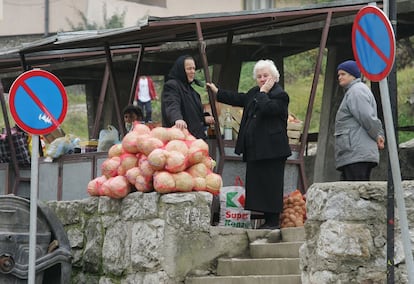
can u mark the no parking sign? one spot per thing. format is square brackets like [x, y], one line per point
[373, 43]
[38, 102]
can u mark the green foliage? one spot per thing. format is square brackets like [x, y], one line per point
[298, 81]
[156, 105]
[76, 121]
[302, 65]
[405, 108]
[115, 21]
[76, 124]
[246, 77]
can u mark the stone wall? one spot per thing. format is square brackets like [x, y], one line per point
[153, 238]
[145, 238]
[346, 233]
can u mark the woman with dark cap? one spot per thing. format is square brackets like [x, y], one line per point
[180, 104]
[358, 130]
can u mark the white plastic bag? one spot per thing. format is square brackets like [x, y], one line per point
[232, 213]
[61, 146]
[107, 138]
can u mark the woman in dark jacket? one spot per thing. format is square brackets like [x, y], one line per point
[180, 104]
[262, 140]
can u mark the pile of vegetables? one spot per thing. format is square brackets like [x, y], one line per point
[161, 159]
[294, 210]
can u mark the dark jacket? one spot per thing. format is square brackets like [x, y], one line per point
[263, 127]
[180, 101]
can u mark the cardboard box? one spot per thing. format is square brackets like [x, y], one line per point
[49, 138]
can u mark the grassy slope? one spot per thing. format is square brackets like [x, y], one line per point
[299, 92]
[298, 89]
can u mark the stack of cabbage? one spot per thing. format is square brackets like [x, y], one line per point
[162, 159]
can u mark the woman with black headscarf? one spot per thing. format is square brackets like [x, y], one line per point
[180, 104]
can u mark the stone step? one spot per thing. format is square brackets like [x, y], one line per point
[262, 249]
[296, 234]
[258, 266]
[251, 279]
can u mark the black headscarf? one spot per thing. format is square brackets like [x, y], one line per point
[177, 71]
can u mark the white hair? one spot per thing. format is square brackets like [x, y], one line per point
[266, 64]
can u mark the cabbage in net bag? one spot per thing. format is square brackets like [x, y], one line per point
[232, 213]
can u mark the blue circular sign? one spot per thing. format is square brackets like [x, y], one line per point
[38, 102]
[373, 43]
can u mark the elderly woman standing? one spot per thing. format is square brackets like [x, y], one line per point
[180, 104]
[262, 140]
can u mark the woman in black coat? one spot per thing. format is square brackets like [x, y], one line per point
[262, 140]
[180, 104]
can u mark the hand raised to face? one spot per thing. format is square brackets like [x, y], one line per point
[267, 85]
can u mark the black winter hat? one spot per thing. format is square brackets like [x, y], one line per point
[351, 67]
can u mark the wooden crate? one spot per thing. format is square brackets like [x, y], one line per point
[294, 131]
[49, 138]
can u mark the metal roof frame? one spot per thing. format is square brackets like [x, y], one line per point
[287, 28]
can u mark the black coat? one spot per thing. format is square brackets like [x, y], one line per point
[180, 101]
[263, 127]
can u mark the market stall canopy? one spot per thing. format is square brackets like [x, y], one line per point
[255, 34]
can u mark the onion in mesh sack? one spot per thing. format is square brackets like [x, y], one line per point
[198, 151]
[109, 167]
[176, 162]
[158, 158]
[198, 170]
[127, 161]
[94, 186]
[130, 141]
[119, 187]
[175, 134]
[160, 133]
[164, 182]
[199, 184]
[132, 174]
[177, 145]
[143, 183]
[145, 166]
[209, 162]
[184, 182]
[116, 150]
[188, 135]
[140, 128]
[148, 144]
[213, 183]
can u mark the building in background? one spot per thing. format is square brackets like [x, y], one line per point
[45, 17]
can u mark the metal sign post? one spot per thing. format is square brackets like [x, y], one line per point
[396, 177]
[38, 104]
[34, 174]
[373, 43]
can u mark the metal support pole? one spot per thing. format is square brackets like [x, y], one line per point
[396, 176]
[33, 208]
[202, 49]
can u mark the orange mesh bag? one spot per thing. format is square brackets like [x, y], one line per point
[294, 210]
